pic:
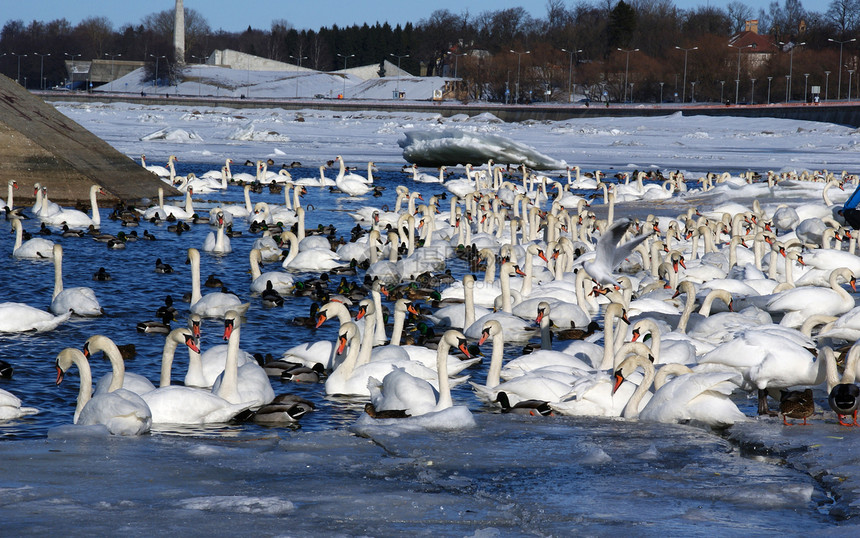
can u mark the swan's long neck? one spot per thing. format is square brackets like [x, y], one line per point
[195, 278]
[300, 227]
[220, 239]
[469, 301]
[255, 263]
[631, 410]
[58, 271]
[85, 390]
[367, 339]
[194, 376]
[105, 344]
[189, 206]
[545, 339]
[167, 361]
[445, 400]
[345, 369]
[495, 371]
[9, 196]
[19, 234]
[297, 201]
[379, 336]
[689, 306]
[96, 218]
[293, 246]
[248, 205]
[397, 329]
[229, 389]
[505, 280]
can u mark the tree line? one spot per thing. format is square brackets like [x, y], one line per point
[609, 49]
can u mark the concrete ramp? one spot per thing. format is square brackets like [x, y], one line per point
[40, 145]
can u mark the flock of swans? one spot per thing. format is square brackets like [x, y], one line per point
[690, 309]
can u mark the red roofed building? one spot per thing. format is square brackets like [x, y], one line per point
[756, 48]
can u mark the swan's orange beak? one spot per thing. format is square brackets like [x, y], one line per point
[624, 317]
[320, 320]
[635, 335]
[462, 347]
[619, 379]
[539, 316]
[87, 350]
[60, 374]
[189, 341]
[542, 256]
[800, 260]
[362, 310]
[731, 305]
[228, 329]
[383, 290]
[853, 283]
[484, 335]
[519, 271]
[412, 309]
[195, 329]
[341, 344]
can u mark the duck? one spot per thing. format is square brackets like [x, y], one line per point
[162, 268]
[155, 326]
[844, 394]
[101, 275]
[796, 404]
[120, 411]
[270, 296]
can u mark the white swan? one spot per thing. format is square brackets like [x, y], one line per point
[316, 260]
[348, 185]
[420, 177]
[121, 411]
[217, 242]
[281, 282]
[798, 304]
[78, 219]
[10, 407]
[20, 317]
[212, 305]
[400, 390]
[135, 383]
[175, 404]
[608, 253]
[79, 301]
[36, 248]
[241, 385]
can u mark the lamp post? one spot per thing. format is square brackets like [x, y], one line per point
[18, 78]
[519, 59]
[627, 68]
[112, 57]
[738, 79]
[661, 93]
[752, 92]
[345, 58]
[722, 85]
[684, 85]
[850, 76]
[156, 69]
[298, 66]
[41, 67]
[456, 56]
[841, 43]
[826, 83]
[400, 57]
[74, 69]
[693, 91]
[805, 85]
[768, 89]
[570, 73]
[790, 65]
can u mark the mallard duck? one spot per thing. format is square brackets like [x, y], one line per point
[213, 282]
[796, 404]
[275, 413]
[303, 374]
[101, 275]
[388, 413]
[167, 308]
[67, 232]
[158, 327]
[309, 321]
[577, 334]
[844, 399]
[271, 297]
[148, 236]
[532, 408]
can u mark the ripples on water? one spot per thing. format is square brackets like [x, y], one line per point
[490, 473]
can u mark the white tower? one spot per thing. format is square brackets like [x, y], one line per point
[179, 34]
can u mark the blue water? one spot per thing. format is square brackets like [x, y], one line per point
[509, 475]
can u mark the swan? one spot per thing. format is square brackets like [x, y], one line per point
[400, 390]
[222, 175]
[20, 317]
[44, 207]
[79, 301]
[460, 316]
[36, 248]
[135, 383]
[121, 411]
[420, 177]
[281, 282]
[316, 260]
[78, 219]
[156, 169]
[240, 211]
[246, 384]
[798, 304]
[10, 407]
[350, 185]
[516, 329]
[213, 305]
[217, 242]
[608, 253]
[702, 397]
[10, 202]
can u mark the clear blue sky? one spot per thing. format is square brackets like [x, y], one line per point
[237, 15]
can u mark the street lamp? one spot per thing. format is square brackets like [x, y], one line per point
[41, 67]
[156, 69]
[738, 79]
[298, 65]
[684, 85]
[841, 43]
[768, 89]
[693, 91]
[112, 57]
[661, 93]
[456, 56]
[722, 85]
[345, 58]
[18, 78]
[752, 92]
[74, 69]
[570, 74]
[805, 85]
[626, 69]
[826, 83]
[790, 64]
[400, 57]
[519, 58]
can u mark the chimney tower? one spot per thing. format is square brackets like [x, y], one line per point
[179, 34]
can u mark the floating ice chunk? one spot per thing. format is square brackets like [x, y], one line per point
[450, 419]
[173, 135]
[240, 504]
[249, 134]
[452, 146]
[595, 456]
[73, 431]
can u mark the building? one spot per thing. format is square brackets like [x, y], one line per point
[756, 49]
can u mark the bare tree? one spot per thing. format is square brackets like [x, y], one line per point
[844, 14]
[739, 13]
